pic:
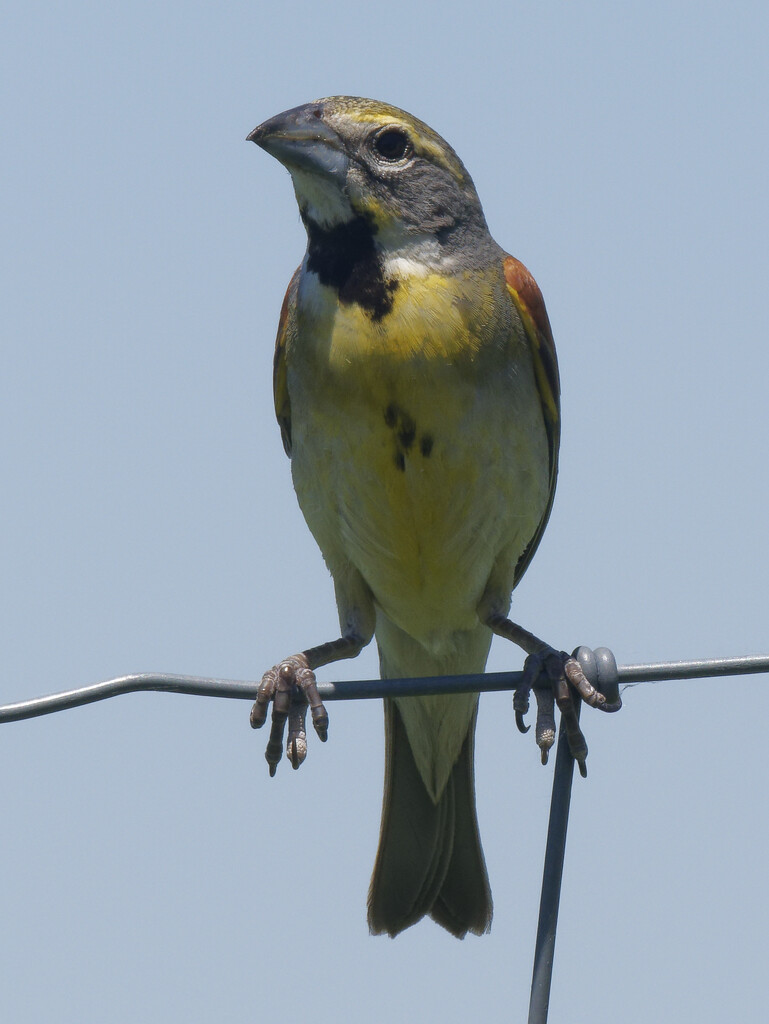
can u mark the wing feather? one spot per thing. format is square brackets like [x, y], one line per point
[286, 327]
[528, 300]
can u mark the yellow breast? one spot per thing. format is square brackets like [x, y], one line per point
[415, 444]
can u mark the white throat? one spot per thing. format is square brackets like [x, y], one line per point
[321, 200]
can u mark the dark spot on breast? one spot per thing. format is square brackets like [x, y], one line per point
[404, 429]
[407, 430]
[345, 258]
[426, 445]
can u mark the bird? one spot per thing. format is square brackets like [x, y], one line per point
[417, 391]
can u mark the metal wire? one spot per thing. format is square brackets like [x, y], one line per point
[552, 873]
[708, 667]
[203, 686]
[599, 666]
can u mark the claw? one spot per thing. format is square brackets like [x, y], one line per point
[545, 728]
[291, 687]
[562, 675]
[320, 721]
[274, 749]
[297, 751]
[531, 670]
[263, 697]
[521, 707]
[281, 704]
[296, 744]
[305, 679]
[573, 672]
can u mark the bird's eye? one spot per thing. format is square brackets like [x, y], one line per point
[391, 144]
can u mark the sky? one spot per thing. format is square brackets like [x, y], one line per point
[152, 870]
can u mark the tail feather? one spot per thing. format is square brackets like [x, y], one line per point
[464, 900]
[430, 859]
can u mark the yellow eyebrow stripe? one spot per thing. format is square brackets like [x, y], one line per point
[418, 133]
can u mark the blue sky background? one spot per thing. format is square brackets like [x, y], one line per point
[152, 870]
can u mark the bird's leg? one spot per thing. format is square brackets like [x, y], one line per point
[291, 686]
[553, 676]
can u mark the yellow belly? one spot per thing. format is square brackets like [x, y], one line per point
[420, 454]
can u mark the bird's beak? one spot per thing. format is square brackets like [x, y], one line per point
[300, 139]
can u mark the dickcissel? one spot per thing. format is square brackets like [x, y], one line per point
[416, 388]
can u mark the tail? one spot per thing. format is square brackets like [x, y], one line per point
[430, 859]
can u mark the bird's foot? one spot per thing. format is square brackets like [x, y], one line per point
[291, 687]
[558, 678]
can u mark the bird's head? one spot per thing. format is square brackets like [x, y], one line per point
[354, 159]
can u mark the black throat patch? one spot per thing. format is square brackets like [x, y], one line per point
[345, 258]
